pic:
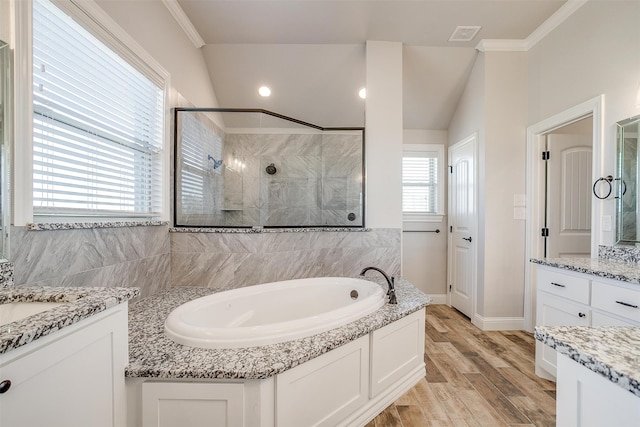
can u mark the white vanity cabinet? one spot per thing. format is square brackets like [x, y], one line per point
[72, 377]
[566, 298]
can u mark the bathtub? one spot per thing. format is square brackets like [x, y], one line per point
[273, 312]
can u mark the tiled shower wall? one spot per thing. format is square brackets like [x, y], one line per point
[153, 259]
[129, 256]
[234, 260]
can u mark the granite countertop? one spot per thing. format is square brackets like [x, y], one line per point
[611, 269]
[612, 351]
[152, 354]
[82, 303]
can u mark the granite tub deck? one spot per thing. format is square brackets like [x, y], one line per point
[82, 303]
[611, 269]
[613, 352]
[152, 354]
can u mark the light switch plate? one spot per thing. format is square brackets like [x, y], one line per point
[606, 222]
[519, 200]
[519, 213]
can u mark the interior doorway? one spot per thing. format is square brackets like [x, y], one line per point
[568, 155]
[463, 227]
[536, 188]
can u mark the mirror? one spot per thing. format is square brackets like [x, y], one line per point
[626, 183]
[6, 120]
[255, 168]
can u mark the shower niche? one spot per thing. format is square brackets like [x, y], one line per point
[255, 168]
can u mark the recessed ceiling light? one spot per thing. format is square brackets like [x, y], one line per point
[363, 93]
[264, 91]
[464, 33]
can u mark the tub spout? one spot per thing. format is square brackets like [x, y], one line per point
[390, 282]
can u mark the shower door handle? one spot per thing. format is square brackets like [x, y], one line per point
[468, 239]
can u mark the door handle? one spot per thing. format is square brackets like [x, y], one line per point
[468, 239]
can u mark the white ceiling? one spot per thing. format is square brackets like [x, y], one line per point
[312, 52]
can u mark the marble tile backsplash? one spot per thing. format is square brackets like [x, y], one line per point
[233, 260]
[619, 253]
[6, 274]
[109, 257]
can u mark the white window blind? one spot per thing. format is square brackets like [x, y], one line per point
[199, 147]
[97, 125]
[420, 183]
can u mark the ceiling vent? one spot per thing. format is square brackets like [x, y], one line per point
[464, 33]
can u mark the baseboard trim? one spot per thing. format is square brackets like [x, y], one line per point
[499, 323]
[438, 298]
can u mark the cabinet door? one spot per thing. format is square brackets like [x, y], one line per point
[74, 377]
[396, 350]
[173, 404]
[325, 390]
[587, 399]
[556, 311]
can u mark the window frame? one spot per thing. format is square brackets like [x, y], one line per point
[419, 221]
[96, 21]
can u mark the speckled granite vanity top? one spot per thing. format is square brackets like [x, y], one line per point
[82, 303]
[152, 354]
[611, 269]
[613, 352]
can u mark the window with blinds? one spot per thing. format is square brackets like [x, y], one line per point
[97, 125]
[420, 182]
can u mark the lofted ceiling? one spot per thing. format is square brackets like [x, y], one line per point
[311, 53]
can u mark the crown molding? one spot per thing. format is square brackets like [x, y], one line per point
[550, 24]
[499, 45]
[185, 23]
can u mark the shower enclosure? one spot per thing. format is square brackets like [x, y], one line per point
[256, 168]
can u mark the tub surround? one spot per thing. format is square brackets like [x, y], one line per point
[267, 230]
[612, 352]
[82, 303]
[152, 354]
[48, 226]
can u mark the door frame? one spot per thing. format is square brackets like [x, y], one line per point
[472, 139]
[535, 188]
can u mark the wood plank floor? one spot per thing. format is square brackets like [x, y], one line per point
[474, 378]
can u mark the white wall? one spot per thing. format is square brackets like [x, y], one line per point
[424, 255]
[5, 21]
[155, 29]
[595, 51]
[504, 174]
[468, 119]
[384, 135]
[494, 105]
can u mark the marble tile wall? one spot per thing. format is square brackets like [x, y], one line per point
[318, 182]
[127, 256]
[234, 260]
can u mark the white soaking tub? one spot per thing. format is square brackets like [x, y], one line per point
[273, 312]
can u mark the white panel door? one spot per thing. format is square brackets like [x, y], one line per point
[569, 196]
[462, 223]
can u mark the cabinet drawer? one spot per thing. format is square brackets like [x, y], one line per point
[616, 300]
[564, 285]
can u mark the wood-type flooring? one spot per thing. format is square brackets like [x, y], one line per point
[474, 378]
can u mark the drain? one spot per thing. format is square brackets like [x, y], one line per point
[354, 294]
